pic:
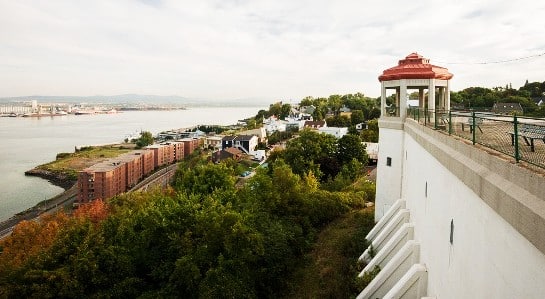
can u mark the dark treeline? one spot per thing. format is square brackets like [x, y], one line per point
[528, 96]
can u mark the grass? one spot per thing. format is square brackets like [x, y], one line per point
[330, 270]
[71, 163]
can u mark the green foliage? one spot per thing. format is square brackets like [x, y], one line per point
[205, 178]
[204, 238]
[326, 157]
[145, 139]
[278, 136]
[304, 153]
[62, 156]
[280, 110]
[350, 147]
[338, 121]
[330, 269]
[357, 117]
[335, 103]
[85, 148]
[484, 98]
[371, 133]
[211, 129]
[365, 280]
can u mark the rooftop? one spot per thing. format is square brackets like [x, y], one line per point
[415, 66]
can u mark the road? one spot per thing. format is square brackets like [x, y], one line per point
[49, 206]
[161, 177]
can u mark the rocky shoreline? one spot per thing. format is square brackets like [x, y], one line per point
[57, 179]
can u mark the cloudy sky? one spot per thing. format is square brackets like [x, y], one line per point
[232, 49]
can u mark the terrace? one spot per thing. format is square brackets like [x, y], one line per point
[521, 138]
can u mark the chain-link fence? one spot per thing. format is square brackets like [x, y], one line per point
[522, 138]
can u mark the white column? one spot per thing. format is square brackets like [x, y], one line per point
[403, 99]
[431, 95]
[421, 98]
[382, 99]
[441, 101]
[447, 91]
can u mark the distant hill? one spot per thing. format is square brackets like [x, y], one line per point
[140, 99]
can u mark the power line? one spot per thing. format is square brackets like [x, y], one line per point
[495, 62]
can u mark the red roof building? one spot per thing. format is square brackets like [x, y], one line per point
[414, 72]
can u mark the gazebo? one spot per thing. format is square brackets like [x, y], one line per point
[415, 72]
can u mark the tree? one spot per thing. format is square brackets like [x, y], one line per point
[205, 178]
[351, 147]
[306, 101]
[251, 124]
[146, 138]
[371, 133]
[338, 121]
[275, 109]
[304, 153]
[285, 111]
[357, 117]
[335, 103]
[28, 239]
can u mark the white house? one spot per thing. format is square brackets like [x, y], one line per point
[275, 125]
[335, 131]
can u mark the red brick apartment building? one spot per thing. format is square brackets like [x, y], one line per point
[114, 176]
[167, 153]
[177, 150]
[117, 175]
[102, 180]
[161, 154]
[190, 144]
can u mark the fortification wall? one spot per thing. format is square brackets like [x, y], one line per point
[479, 219]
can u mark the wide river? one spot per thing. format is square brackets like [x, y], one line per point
[26, 142]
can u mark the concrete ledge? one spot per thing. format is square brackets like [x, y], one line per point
[391, 123]
[413, 284]
[391, 248]
[389, 230]
[398, 204]
[515, 193]
[388, 277]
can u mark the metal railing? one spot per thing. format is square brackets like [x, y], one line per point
[522, 138]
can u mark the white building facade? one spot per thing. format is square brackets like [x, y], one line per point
[453, 220]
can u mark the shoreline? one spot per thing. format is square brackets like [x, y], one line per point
[52, 203]
[57, 179]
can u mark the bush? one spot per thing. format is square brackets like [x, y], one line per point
[362, 282]
[62, 156]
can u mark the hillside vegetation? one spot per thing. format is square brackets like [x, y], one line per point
[201, 238]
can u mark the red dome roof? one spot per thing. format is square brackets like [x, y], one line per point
[415, 66]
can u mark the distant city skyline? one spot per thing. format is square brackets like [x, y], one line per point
[234, 49]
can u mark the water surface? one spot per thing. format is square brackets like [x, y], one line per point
[28, 142]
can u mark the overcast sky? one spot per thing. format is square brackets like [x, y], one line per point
[232, 49]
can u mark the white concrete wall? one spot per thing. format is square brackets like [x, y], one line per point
[388, 183]
[488, 257]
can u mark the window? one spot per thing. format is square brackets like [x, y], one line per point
[388, 161]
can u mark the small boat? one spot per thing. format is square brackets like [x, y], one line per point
[85, 112]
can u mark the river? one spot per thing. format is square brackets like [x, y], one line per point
[26, 142]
